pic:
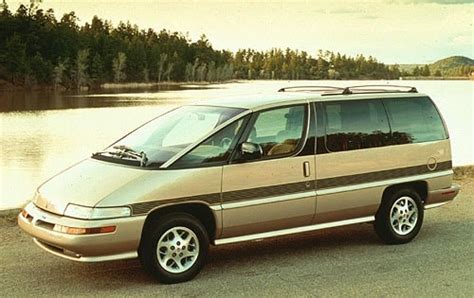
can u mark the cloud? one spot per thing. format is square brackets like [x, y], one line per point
[369, 17]
[443, 2]
[344, 11]
[463, 39]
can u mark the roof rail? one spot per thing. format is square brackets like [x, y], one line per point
[378, 89]
[331, 90]
[311, 88]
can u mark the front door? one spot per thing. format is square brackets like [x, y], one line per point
[275, 191]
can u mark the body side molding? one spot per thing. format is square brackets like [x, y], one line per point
[294, 230]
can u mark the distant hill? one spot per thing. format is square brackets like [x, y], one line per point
[453, 66]
[453, 61]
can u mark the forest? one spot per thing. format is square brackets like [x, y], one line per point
[38, 49]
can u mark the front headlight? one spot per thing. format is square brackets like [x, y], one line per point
[96, 212]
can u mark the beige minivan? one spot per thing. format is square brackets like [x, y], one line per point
[226, 171]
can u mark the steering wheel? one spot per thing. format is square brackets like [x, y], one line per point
[225, 142]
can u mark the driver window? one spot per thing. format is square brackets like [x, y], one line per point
[278, 131]
[216, 148]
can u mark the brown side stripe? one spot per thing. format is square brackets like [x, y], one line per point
[268, 191]
[291, 188]
[145, 207]
[378, 176]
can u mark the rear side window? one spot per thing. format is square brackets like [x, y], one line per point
[414, 120]
[352, 125]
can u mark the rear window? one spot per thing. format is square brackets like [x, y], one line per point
[414, 120]
[352, 125]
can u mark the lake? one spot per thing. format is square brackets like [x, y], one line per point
[41, 133]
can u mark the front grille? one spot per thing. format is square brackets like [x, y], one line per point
[45, 225]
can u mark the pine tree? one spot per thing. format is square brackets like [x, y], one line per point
[118, 67]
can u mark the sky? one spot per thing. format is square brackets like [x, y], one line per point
[393, 31]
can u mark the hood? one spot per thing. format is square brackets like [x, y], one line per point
[85, 183]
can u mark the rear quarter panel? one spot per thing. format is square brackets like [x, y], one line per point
[356, 169]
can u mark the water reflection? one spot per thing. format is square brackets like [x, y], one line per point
[111, 97]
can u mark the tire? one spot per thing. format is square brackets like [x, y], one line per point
[174, 248]
[399, 217]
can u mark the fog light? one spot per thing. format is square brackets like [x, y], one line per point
[76, 231]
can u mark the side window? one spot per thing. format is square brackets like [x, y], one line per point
[352, 125]
[320, 131]
[279, 131]
[310, 145]
[414, 120]
[216, 148]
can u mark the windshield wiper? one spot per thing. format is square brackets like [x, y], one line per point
[125, 151]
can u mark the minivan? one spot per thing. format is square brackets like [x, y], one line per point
[249, 168]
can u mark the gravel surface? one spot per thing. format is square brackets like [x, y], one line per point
[337, 262]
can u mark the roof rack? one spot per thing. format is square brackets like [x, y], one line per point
[312, 89]
[329, 90]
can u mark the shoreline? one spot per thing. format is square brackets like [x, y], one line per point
[8, 87]
[105, 86]
[436, 78]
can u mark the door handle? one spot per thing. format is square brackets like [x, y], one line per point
[306, 169]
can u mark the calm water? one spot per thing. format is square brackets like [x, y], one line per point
[42, 133]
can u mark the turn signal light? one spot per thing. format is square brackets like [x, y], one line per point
[24, 213]
[84, 231]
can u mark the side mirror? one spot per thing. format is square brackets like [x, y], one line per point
[250, 151]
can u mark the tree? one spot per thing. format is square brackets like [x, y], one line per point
[161, 65]
[416, 71]
[211, 72]
[34, 46]
[201, 72]
[189, 73]
[34, 5]
[4, 9]
[146, 75]
[136, 57]
[59, 73]
[168, 71]
[96, 70]
[426, 71]
[119, 64]
[15, 59]
[41, 69]
[80, 75]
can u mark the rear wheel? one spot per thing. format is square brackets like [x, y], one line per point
[400, 217]
[174, 247]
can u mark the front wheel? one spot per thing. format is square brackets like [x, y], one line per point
[174, 248]
[400, 217]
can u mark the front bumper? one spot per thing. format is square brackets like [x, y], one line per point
[121, 244]
[439, 197]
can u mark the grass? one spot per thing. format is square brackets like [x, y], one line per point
[463, 172]
[8, 217]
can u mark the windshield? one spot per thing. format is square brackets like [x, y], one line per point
[165, 136]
